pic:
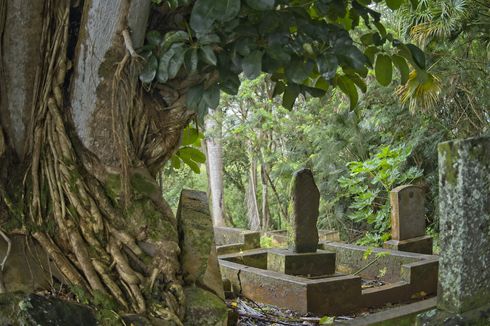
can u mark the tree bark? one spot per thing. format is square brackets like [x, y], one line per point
[266, 214]
[251, 197]
[83, 143]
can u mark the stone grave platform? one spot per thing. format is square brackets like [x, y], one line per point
[329, 280]
[407, 276]
[280, 237]
[309, 264]
[229, 240]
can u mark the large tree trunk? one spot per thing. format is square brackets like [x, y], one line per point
[214, 166]
[83, 142]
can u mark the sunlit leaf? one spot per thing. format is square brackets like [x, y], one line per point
[349, 88]
[383, 69]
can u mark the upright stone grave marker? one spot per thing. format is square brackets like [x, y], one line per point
[200, 270]
[305, 199]
[302, 257]
[408, 220]
[464, 205]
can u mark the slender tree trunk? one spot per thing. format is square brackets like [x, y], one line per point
[214, 166]
[266, 214]
[251, 197]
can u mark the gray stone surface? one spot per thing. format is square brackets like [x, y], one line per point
[204, 308]
[306, 264]
[226, 236]
[464, 204]
[421, 245]
[305, 201]
[407, 212]
[198, 257]
[335, 294]
[32, 309]
[27, 268]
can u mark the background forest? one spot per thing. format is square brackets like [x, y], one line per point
[357, 154]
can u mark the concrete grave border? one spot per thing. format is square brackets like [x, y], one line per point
[335, 294]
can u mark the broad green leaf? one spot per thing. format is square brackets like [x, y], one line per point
[370, 53]
[349, 88]
[354, 57]
[367, 39]
[176, 61]
[194, 96]
[174, 37]
[206, 12]
[261, 4]
[279, 53]
[207, 55]
[229, 83]
[394, 4]
[154, 37]
[417, 55]
[297, 71]
[207, 39]
[279, 88]
[383, 69]
[313, 91]
[327, 320]
[175, 161]
[226, 9]
[190, 163]
[163, 63]
[211, 96]
[290, 94]
[381, 28]
[202, 17]
[189, 136]
[150, 70]
[191, 60]
[193, 153]
[327, 65]
[321, 83]
[360, 83]
[252, 64]
[402, 66]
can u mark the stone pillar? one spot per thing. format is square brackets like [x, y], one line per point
[408, 221]
[202, 277]
[302, 257]
[464, 204]
[305, 202]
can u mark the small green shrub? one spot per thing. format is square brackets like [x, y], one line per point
[368, 185]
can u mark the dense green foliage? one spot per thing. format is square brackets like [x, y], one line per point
[306, 46]
[390, 138]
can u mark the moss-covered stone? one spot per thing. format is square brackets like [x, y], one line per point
[196, 237]
[464, 204]
[204, 308]
[32, 309]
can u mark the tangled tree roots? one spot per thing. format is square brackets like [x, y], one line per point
[84, 229]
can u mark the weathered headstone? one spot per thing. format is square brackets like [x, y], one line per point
[305, 201]
[408, 220]
[464, 205]
[201, 273]
[407, 212]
